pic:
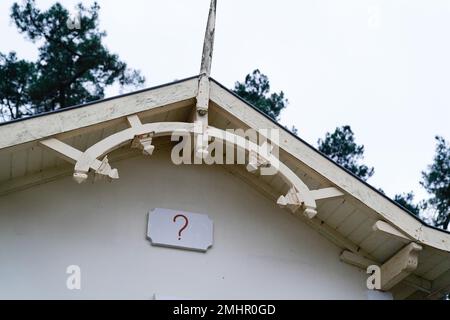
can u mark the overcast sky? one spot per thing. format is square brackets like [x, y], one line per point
[380, 66]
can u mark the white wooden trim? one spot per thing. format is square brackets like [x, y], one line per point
[208, 44]
[385, 228]
[400, 266]
[63, 150]
[56, 123]
[326, 193]
[357, 260]
[115, 141]
[69, 153]
[299, 197]
[202, 97]
[134, 121]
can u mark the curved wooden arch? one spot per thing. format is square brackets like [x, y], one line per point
[299, 196]
[117, 140]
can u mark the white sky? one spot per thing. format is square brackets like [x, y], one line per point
[382, 67]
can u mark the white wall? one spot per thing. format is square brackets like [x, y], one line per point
[259, 252]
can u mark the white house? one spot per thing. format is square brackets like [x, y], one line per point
[76, 187]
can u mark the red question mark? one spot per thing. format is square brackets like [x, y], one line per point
[184, 226]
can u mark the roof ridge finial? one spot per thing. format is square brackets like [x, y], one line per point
[208, 44]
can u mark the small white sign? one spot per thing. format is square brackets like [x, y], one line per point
[180, 229]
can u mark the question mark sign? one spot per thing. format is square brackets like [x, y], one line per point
[184, 226]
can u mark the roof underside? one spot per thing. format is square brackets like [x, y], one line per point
[346, 221]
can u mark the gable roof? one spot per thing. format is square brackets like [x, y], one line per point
[297, 137]
[348, 222]
[28, 129]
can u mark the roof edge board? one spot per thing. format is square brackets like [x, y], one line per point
[60, 121]
[307, 154]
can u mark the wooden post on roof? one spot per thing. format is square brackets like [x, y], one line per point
[201, 112]
[208, 43]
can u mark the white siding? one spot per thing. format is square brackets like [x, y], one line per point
[259, 252]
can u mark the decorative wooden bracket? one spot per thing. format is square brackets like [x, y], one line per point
[202, 98]
[141, 135]
[292, 200]
[385, 228]
[400, 266]
[256, 161]
[388, 281]
[144, 142]
[102, 169]
[105, 170]
[295, 200]
[201, 119]
[201, 146]
[141, 141]
[71, 154]
[80, 177]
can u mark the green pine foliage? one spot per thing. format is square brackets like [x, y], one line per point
[340, 146]
[436, 180]
[73, 66]
[256, 91]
